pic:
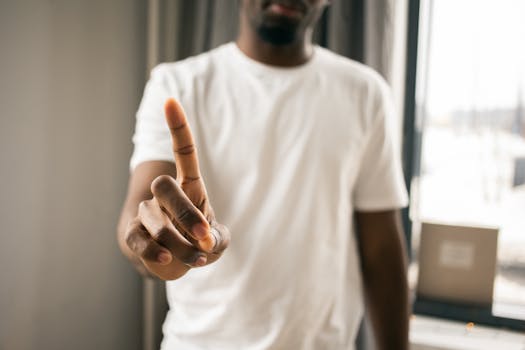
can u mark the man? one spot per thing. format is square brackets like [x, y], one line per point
[295, 149]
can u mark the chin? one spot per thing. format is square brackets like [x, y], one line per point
[277, 35]
[278, 30]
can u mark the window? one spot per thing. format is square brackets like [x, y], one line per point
[470, 115]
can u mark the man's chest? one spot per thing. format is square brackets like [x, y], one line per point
[250, 121]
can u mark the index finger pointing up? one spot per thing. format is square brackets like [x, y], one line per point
[184, 149]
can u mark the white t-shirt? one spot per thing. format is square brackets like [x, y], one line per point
[287, 155]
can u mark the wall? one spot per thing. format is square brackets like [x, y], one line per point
[71, 77]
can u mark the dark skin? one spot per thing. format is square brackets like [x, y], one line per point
[167, 202]
[167, 224]
[384, 269]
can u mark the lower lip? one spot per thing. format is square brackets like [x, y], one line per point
[284, 11]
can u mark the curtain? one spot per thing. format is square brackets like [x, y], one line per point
[362, 30]
[369, 31]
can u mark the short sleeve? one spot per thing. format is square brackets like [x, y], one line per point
[380, 183]
[151, 139]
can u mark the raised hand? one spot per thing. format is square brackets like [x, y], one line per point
[176, 229]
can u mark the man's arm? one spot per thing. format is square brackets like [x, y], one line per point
[384, 267]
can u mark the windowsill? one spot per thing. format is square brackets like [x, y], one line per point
[428, 333]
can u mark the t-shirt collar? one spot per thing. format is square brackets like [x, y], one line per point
[262, 68]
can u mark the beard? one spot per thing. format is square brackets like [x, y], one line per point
[276, 35]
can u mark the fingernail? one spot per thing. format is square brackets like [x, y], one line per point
[164, 257]
[199, 230]
[201, 261]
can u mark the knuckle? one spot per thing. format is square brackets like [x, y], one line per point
[189, 256]
[161, 184]
[223, 237]
[143, 206]
[186, 150]
[130, 239]
[162, 233]
[225, 242]
[133, 241]
[186, 215]
[150, 252]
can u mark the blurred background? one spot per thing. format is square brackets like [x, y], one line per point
[471, 106]
[71, 78]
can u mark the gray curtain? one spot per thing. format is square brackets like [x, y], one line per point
[368, 31]
[359, 29]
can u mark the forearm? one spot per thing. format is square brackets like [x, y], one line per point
[386, 294]
[384, 268]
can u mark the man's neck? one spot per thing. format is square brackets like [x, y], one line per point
[290, 55]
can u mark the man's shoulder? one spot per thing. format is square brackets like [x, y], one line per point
[193, 66]
[348, 70]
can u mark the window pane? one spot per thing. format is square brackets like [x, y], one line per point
[471, 98]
